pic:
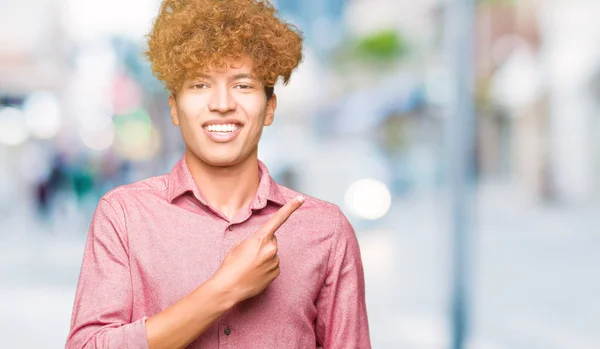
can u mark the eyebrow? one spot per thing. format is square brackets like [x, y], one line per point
[243, 76]
[233, 78]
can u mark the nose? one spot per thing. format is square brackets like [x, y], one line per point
[221, 101]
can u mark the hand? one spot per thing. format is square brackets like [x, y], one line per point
[253, 264]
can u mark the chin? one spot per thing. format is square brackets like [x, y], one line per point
[220, 160]
[219, 156]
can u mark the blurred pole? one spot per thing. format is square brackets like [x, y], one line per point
[460, 42]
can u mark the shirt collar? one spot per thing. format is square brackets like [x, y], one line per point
[181, 182]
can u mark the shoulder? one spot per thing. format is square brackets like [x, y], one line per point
[320, 212]
[310, 202]
[125, 194]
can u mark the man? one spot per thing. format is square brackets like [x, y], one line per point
[216, 254]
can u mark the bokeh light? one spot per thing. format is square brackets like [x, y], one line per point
[137, 138]
[13, 129]
[127, 95]
[95, 119]
[368, 199]
[43, 115]
[100, 139]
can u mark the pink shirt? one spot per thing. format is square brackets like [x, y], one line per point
[153, 242]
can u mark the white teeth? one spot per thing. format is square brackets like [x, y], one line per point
[222, 128]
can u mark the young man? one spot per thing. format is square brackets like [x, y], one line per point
[216, 254]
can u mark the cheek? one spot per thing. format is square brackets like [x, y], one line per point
[254, 126]
[255, 109]
[193, 104]
[190, 113]
[190, 128]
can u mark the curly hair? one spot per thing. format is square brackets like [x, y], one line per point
[192, 36]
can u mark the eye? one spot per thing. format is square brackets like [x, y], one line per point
[198, 86]
[243, 86]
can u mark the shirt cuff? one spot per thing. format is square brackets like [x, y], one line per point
[139, 337]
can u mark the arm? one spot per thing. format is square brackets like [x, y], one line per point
[104, 298]
[178, 325]
[342, 315]
[103, 301]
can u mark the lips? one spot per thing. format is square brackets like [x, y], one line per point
[222, 122]
[222, 131]
[222, 127]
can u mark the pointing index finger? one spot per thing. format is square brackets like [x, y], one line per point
[268, 230]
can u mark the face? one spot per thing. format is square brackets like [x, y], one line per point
[221, 114]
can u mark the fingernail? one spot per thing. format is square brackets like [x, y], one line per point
[300, 199]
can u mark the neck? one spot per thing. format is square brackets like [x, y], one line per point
[226, 188]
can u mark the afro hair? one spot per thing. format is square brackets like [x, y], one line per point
[192, 36]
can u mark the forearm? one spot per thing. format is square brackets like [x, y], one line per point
[178, 325]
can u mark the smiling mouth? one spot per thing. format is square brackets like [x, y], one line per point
[223, 133]
[223, 128]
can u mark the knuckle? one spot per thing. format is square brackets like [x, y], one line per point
[272, 249]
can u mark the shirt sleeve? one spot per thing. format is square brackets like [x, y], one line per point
[341, 309]
[104, 300]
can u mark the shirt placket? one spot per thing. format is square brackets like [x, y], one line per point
[226, 330]
[227, 333]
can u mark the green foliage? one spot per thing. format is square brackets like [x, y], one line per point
[383, 45]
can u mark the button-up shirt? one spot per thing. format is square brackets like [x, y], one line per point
[153, 242]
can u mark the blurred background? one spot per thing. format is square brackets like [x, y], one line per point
[364, 124]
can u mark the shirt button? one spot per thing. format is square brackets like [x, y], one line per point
[230, 228]
[227, 331]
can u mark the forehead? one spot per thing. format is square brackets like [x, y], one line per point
[232, 67]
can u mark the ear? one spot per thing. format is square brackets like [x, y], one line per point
[173, 105]
[271, 106]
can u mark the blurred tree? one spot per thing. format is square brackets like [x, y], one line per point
[379, 51]
[383, 45]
